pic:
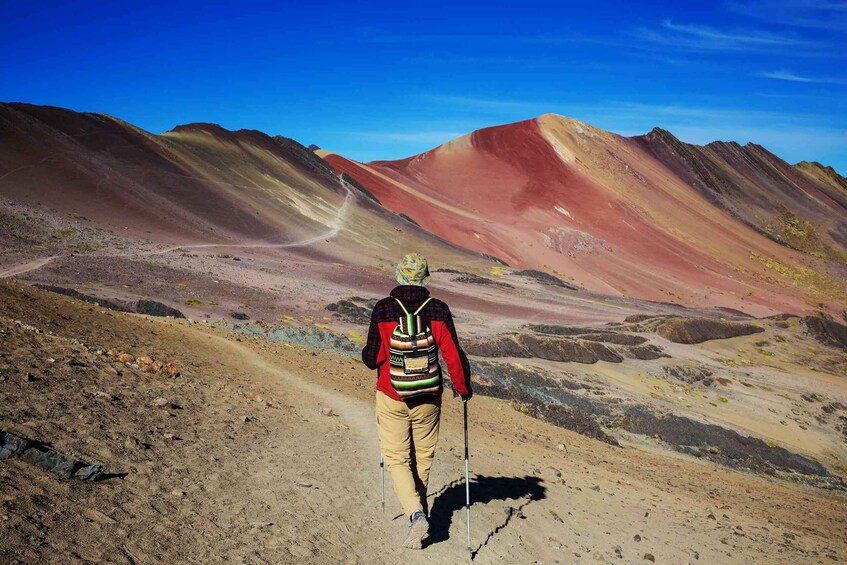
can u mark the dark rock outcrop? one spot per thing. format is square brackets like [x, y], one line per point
[679, 329]
[154, 308]
[646, 352]
[615, 338]
[552, 349]
[475, 279]
[13, 446]
[545, 397]
[350, 311]
[587, 348]
[826, 331]
[564, 330]
[545, 278]
[108, 304]
[586, 410]
[689, 375]
[717, 443]
[147, 307]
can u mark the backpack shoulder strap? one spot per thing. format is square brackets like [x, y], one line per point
[401, 306]
[418, 311]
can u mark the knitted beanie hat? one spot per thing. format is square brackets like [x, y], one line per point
[412, 269]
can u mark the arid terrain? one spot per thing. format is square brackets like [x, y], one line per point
[646, 217]
[187, 309]
[265, 453]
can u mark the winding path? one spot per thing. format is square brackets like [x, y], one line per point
[335, 228]
[26, 267]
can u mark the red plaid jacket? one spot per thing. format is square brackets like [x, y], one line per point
[385, 317]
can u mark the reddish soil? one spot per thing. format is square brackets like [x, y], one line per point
[618, 216]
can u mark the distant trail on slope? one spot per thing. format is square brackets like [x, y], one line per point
[337, 224]
[27, 267]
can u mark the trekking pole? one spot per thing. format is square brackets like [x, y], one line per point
[381, 459]
[382, 477]
[467, 480]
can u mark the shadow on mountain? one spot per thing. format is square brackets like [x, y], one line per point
[484, 490]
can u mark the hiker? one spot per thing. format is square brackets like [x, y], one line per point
[407, 331]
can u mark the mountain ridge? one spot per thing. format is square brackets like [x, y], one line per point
[197, 184]
[580, 192]
[647, 217]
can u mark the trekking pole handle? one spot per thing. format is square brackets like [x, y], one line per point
[465, 402]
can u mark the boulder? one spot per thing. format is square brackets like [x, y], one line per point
[350, 311]
[154, 308]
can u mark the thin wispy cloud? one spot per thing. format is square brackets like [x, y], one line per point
[811, 14]
[602, 113]
[791, 135]
[785, 75]
[791, 77]
[637, 115]
[693, 37]
[709, 34]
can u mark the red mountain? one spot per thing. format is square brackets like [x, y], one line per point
[652, 217]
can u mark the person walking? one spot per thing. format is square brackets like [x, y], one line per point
[407, 331]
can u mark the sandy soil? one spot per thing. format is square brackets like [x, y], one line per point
[759, 380]
[292, 484]
[263, 448]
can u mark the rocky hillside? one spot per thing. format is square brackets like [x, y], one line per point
[650, 216]
[198, 184]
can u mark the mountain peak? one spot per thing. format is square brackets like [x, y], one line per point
[822, 173]
[204, 127]
[219, 132]
[564, 120]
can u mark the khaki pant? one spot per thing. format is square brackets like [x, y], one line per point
[408, 433]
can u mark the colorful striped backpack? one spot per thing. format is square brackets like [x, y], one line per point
[413, 361]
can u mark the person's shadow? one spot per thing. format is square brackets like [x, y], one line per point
[483, 491]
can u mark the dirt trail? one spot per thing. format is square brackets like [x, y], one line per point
[248, 469]
[22, 268]
[336, 226]
[359, 413]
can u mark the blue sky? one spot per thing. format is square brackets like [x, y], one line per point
[388, 80]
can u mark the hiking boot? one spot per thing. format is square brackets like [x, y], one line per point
[417, 531]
